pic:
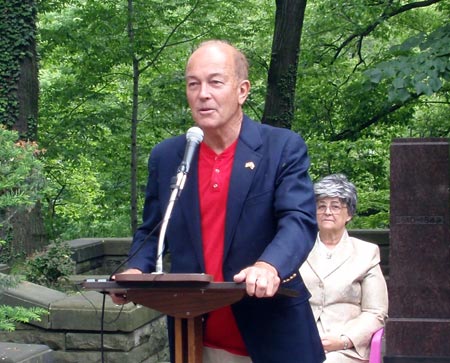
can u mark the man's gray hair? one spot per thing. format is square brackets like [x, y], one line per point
[337, 185]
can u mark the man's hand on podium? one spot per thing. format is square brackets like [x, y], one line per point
[261, 279]
[121, 299]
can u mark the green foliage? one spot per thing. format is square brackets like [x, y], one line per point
[11, 315]
[350, 104]
[21, 182]
[86, 96]
[8, 253]
[366, 164]
[17, 29]
[8, 281]
[346, 42]
[349, 119]
[421, 66]
[20, 185]
[75, 193]
[51, 267]
[20, 171]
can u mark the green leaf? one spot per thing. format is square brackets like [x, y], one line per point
[421, 88]
[398, 83]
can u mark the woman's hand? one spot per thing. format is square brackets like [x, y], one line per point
[331, 343]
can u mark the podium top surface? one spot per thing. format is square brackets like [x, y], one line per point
[177, 295]
[164, 277]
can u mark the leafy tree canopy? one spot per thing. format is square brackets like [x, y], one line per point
[369, 71]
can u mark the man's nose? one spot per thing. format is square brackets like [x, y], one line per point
[204, 91]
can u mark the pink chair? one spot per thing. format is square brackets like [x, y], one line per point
[376, 346]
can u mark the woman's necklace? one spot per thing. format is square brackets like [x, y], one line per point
[325, 251]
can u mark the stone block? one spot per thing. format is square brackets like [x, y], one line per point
[29, 295]
[26, 333]
[142, 353]
[154, 334]
[25, 353]
[83, 312]
[86, 248]
[117, 246]
[419, 286]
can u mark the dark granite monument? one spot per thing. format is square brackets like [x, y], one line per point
[418, 328]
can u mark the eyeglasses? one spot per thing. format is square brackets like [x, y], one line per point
[334, 208]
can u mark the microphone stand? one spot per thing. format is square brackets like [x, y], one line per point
[194, 136]
[179, 185]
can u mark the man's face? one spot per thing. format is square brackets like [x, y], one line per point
[214, 93]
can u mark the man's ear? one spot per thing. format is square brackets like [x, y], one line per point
[244, 90]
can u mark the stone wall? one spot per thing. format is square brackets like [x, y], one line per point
[72, 328]
[100, 256]
[25, 353]
[379, 237]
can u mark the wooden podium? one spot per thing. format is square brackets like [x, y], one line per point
[186, 297]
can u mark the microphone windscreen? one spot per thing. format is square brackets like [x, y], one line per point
[195, 134]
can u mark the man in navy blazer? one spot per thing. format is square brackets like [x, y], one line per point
[266, 222]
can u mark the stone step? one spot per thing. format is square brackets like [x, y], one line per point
[25, 353]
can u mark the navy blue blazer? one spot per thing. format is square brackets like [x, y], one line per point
[270, 217]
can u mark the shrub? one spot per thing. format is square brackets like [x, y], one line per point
[21, 177]
[20, 183]
[50, 267]
[11, 315]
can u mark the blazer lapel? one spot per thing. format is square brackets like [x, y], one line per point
[190, 206]
[338, 256]
[245, 165]
[314, 260]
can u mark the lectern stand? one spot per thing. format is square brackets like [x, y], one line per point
[186, 297]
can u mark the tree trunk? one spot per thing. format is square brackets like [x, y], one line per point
[19, 85]
[134, 120]
[282, 76]
[23, 229]
[25, 233]
[27, 95]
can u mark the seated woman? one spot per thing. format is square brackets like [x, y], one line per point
[349, 294]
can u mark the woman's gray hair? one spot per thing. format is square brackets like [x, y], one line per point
[337, 185]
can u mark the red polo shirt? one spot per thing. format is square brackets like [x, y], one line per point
[214, 173]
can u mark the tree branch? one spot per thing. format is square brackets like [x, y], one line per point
[182, 21]
[351, 133]
[387, 14]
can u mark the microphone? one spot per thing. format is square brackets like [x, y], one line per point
[194, 137]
